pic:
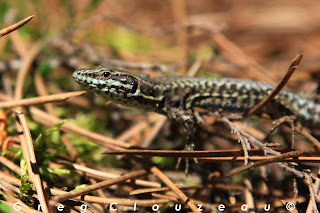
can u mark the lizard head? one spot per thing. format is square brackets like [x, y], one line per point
[113, 84]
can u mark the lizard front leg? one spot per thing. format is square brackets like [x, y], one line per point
[189, 122]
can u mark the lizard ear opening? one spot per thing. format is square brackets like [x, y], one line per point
[134, 86]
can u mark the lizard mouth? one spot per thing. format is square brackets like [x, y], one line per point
[87, 78]
[79, 76]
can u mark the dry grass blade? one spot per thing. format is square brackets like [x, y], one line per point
[123, 201]
[106, 201]
[179, 14]
[248, 195]
[293, 66]
[21, 78]
[278, 158]
[100, 185]
[40, 100]
[42, 90]
[10, 178]
[312, 207]
[174, 188]
[9, 164]
[184, 153]
[236, 156]
[31, 160]
[306, 134]
[239, 57]
[103, 175]
[15, 26]
[300, 159]
[45, 118]
[155, 130]
[9, 190]
[133, 130]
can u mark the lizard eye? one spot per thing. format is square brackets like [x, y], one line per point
[106, 74]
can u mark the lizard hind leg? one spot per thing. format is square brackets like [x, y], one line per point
[290, 119]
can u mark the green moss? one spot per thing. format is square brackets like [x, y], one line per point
[92, 5]
[44, 67]
[4, 208]
[87, 150]
[163, 161]
[50, 139]
[121, 39]
[3, 10]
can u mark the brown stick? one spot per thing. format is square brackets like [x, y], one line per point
[103, 184]
[40, 99]
[293, 66]
[15, 26]
[174, 188]
[29, 154]
[274, 159]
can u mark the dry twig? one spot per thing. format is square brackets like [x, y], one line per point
[40, 100]
[293, 66]
[28, 152]
[15, 26]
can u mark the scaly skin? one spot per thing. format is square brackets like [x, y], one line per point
[176, 97]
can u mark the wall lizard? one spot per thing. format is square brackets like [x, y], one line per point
[176, 97]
